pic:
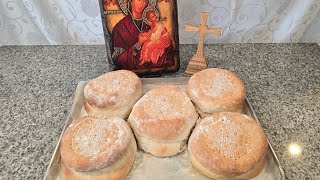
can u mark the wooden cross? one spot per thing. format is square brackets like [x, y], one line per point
[198, 61]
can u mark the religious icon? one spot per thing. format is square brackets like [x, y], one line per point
[142, 35]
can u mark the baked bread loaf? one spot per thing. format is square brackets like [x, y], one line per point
[228, 145]
[162, 120]
[216, 90]
[97, 147]
[113, 93]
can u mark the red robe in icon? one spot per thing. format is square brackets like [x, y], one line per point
[154, 48]
[125, 55]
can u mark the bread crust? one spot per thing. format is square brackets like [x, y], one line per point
[113, 93]
[97, 146]
[160, 148]
[117, 171]
[216, 90]
[162, 119]
[228, 145]
[255, 171]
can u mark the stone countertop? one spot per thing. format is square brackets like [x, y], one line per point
[37, 85]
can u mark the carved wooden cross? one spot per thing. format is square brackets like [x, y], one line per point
[198, 61]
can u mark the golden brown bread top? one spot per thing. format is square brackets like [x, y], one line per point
[94, 142]
[112, 88]
[163, 113]
[214, 83]
[228, 143]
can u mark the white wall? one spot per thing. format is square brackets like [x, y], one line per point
[33, 22]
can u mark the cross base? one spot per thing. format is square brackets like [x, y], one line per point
[196, 64]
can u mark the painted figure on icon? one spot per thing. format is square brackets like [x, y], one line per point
[158, 39]
[142, 35]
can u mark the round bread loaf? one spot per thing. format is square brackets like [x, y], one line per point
[228, 145]
[162, 120]
[216, 90]
[113, 93]
[97, 147]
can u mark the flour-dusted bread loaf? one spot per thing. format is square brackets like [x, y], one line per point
[162, 120]
[113, 93]
[97, 147]
[216, 90]
[228, 145]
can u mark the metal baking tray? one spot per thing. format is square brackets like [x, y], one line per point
[147, 166]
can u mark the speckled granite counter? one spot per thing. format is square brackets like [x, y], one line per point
[37, 85]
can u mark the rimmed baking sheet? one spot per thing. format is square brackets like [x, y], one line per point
[147, 166]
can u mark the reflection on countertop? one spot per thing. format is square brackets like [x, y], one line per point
[37, 85]
[294, 149]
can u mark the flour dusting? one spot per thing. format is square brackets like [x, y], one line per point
[219, 85]
[110, 87]
[229, 139]
[92, 138]
[169, 104]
